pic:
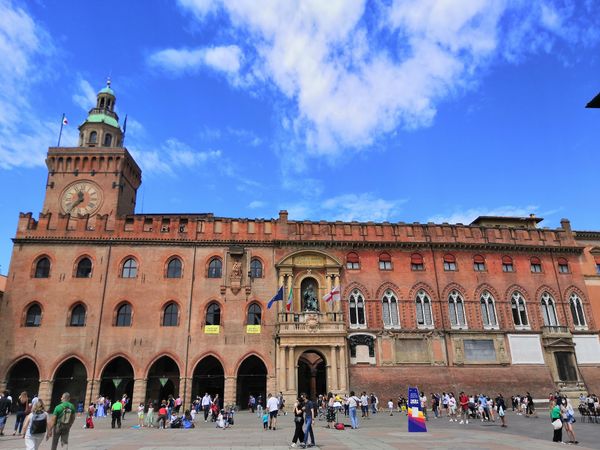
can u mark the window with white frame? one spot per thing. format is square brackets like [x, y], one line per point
[390, 310]
[577, 311]
[357, 309]
[424, 315]
[519, 311]
[488, 310]
[549, 310]
[456, 309]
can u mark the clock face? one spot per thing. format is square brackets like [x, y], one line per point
[81, 198]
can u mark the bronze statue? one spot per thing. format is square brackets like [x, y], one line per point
[310, 300]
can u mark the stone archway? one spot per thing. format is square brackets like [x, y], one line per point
[70, 377]
[251, 380]
[117, 379]
[23, 376]
[163, 380]
[208, 377]
[312, 374]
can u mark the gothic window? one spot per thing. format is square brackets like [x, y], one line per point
[488, 310]
[424, 315]
[213, 314]
[42, 268]
[352, 261]
[563, 265]
[449, 262]
[416, 262]
[507, 264]
[577, 310]
[549, 310]
[93, 137]
[84, 268]
[456, 309]
[256, 268]
[385, 261]
[536, 265]
[174, 268]
[33, 318]
[215, 268]
[123, 318]
[107, 140]
[519, 311]
[170, 315]
[478, 263]
[129, 268]
[357, 310]
[77, 316]
[254, 314]
[390, 310]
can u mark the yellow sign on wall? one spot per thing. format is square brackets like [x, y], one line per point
[212, 329]
[253, 329]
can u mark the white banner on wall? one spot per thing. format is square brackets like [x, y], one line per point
[587, 349]
[525, 349]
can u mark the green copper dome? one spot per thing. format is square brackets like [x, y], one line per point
[98, 118]
[107, 90]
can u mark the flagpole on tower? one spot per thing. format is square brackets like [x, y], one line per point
[62, 123]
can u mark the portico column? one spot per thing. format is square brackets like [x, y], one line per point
[139, 391]
[281, 378]
[229, 394]
[291, 368]
[91, 389]
[186, 384]
[45, 391]
[344, 382]
[281, 283]
[328, 288]
[334, 371]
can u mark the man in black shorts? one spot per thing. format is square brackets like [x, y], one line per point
[273, 408]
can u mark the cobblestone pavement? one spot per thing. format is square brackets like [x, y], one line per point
[378, 432]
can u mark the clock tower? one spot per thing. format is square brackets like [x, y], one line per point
[99, 176]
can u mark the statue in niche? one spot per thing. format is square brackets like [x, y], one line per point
[236, 270]
[309, 298]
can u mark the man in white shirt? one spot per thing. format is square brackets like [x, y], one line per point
[206, 404]
[273, 407]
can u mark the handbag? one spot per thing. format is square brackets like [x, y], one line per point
[557, 424]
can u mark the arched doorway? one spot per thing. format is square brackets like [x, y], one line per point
[312, 374]
[23, 376]
[309, 292]
[163, 380]
[251, 380]
[70, 377]
[208, 376]
[117, 379]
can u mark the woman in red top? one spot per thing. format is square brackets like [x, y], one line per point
[162, 416]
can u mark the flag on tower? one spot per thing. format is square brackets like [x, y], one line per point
[65, 121]
[276, 298]
[333, 295]
[288, 305]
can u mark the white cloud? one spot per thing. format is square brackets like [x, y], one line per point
[85, 96]
[256, 204]
[469, 215]
[225, 59]
[354, 71]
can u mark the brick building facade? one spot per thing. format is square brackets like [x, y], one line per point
[100, 300]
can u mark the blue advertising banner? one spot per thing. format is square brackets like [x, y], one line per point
[416, 419]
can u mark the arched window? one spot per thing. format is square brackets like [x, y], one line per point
[33, 318]
[170, 315]
[519, 311]
[213, 314]
[385, 261]
[357, 309]
[77, 316]
[549, 310]
[42, 268]
[254, 314]
[488, 310]
[449, 262]
[123, 316]
[215, 268]
[256, 268]
[93, 137]
[390, 310]
[424, 315]
[84, 268]
[174, 268]
[536, 265]
[563, 265]
[577, 310]
[507, 264]
[478, 263]
[107, 140]
[416, 262]
[129, 268]
[352, 261]
[457, 310]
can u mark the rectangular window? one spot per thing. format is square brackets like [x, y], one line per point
[385, 265]
[449, 266]
[479, 350]
[507, 268]
[563, 268]
[479, 267]
[353, 265]
[417, 267]
[536, 268]
[598, 268]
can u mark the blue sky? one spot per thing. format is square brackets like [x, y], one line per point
[350, 110]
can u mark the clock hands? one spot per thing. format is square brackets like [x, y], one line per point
[77, 202]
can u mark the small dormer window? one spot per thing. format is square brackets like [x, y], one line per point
[93, 137]
[107, 140]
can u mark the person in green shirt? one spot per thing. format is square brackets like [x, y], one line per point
[554, 415]
[117, 410]
[61, 421]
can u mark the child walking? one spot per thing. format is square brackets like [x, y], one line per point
[140, 412]
[150, 416]
[391, 407]
[265, 420]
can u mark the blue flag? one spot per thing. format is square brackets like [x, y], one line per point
[277, 298]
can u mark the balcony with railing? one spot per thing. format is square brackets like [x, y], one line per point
[311, 322]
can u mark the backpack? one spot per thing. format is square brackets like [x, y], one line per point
[38, 423]
[339, 426]
[64, 421]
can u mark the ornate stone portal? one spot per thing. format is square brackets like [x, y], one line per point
[311, 325]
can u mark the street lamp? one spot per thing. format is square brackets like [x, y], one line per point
[594, 103]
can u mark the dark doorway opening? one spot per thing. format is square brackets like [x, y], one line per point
[208, 377]
[163, 380]
[70, 377]
[116, 380]
[566, 367]
[24, 376]
[312, 374]
[251, 380]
